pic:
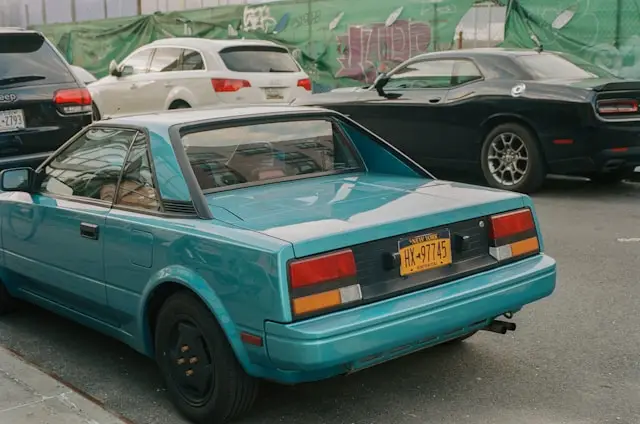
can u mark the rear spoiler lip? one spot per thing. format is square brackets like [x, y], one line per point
[617, 86]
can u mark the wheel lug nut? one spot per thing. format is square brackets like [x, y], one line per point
[189, 373]
[193, 360]
[181, 361]
[184, 348]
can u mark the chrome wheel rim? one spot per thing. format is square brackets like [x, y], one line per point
[508, 159]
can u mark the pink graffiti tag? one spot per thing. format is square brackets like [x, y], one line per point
[365, 47]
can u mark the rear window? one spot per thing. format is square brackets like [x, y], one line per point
[28, 59]
[258, 59]
[556, 66]
[243, 155]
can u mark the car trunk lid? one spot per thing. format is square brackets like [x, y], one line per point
[261, 74]
[325, 213]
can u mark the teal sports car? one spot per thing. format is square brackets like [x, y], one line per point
[234, 245]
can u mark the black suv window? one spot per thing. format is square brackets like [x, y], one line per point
[90, 166]
[258, 59]
[28, 59]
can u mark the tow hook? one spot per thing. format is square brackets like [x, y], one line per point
[500, 327]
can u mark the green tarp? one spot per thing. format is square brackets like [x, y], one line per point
[338, 42]
[604, 32]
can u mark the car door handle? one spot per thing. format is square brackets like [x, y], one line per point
[133, 86]
[89, 231]
[168, 84]
[434, 100]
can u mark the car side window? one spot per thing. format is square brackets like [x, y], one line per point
[138, 62]
[192, 61]
[434, 74]
[137, 189]
[166, 59]
[92, 162]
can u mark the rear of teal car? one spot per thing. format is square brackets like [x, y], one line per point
[386, 265]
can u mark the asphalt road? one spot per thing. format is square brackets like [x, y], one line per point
[575, 357]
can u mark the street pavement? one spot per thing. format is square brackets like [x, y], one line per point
[30, 396]
[575, 358]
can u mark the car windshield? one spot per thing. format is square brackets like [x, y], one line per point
[557, 66]
[27, 59]
[241, 155]
[258, 59]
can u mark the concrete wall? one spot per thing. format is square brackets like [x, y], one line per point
[34, 12]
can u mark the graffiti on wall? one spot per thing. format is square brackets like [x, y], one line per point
[258, 18]
[366, 49]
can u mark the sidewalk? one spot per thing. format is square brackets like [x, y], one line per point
[29, 396]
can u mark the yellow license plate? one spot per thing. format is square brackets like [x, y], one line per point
[425, 252]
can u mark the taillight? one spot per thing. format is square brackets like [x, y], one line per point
[73, 100]
[513, 234]
[225, 85]
[323, 282]
[305, 83]
[617, 106]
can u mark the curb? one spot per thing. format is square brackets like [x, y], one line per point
[82, 395]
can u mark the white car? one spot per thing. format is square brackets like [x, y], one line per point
[178, 73]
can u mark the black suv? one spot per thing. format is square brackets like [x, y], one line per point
[42, 103]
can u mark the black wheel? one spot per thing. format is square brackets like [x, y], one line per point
[461, 338]
[203, 377]
[611, 178]
[95, 113]
[179, 104]
[511, 159]
[7, 303]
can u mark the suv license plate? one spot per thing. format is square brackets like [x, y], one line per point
[11, 120]
[274, 94]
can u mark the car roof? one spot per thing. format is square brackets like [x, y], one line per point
[166, 119]
[481, 51]
[17, 30]
[209, 44]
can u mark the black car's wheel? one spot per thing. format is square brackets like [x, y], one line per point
[511, 159]
[611, 178]
[7, 303]
[202, 374]
[461, 338]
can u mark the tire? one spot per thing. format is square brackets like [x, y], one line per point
[461, 338]
[7, 303]
[532, 168]
[95, 113]
[611, 178]
[179, 104]
[228, 390]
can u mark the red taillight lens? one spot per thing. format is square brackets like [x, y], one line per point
[511, 223]
[225, 85]
[73, 100]
[305, 83]
[320, 269]
[513, 234]
[617, 106]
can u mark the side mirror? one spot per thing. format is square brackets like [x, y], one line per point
[17, 179]
[379, 83]
[113, 69]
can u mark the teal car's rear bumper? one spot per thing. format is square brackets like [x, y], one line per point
[349, 340]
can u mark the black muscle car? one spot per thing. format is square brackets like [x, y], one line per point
[514, 114]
